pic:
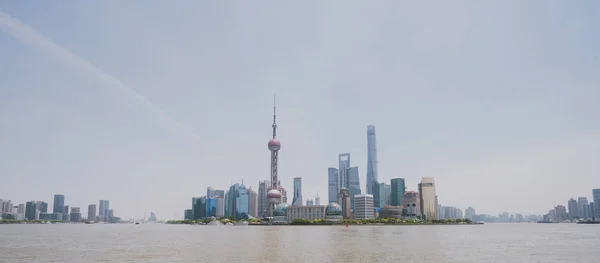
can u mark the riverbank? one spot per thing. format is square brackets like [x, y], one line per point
[12, 221]
[323, 222]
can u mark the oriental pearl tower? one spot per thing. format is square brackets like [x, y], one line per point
[274, 195]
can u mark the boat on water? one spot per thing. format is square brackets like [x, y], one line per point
[594, 222]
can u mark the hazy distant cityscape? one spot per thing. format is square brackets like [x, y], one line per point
[345, 199]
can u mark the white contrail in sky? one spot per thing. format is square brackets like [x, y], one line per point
[29, 36]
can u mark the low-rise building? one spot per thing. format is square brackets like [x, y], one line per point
[306, 212]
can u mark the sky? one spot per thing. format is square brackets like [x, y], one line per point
[147, 103]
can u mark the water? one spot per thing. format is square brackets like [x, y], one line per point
[184, 243]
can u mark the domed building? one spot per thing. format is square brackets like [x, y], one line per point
[333, 212]
[280, 213]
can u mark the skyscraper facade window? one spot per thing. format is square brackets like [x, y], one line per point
[372, 176]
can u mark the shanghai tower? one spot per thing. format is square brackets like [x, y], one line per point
[372, 176]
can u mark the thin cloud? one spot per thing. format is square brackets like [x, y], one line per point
[36, 40]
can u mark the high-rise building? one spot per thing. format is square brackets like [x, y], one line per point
[75, 214]
[274, 193]
[333, 184]
[584, 208]
[30, 210]
[220, 207]
[59, 204]
[596, 198]
[344, 165]
[104, 206]
[242, 209]
[262, 198]
[353, 184]
[560, 213]
[231, 200]
[398, 188]
[5, 206]
[593, 210]
[188, 214]
[211, 207]
[21, 210]
[411, 204]
[372, 176]
[91, 212]
[297, 201]
[364, 206]
[41, 206]
[345, 200]
[252, 203]
[66, 209]
[470, 213]
[199, 207]
[573, 209]
[381, 194]
[428, 198]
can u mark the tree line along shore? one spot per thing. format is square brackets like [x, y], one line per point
[304, 222]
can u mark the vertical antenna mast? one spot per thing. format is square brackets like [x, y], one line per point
[274, 123]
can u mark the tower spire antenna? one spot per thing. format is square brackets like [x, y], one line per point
[274, 115]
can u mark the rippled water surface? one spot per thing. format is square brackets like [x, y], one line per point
[184, 243]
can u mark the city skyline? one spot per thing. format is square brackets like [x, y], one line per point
[91, 110]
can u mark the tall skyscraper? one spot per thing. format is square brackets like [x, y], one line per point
[596, 197]
[428, 198]
[397, 193]
[344, 165]
[333, 184]
[104, 206]
[30, 210]
[584, 208]
[372, 176]
[353, 186]
[573, 209]
[91, 212]
[253, 203]
[242, 208]
[297, 201]
[231, 199]
[262, 198]
[59, 204]
[274, 195]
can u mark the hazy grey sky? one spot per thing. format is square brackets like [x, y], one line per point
[146, 103]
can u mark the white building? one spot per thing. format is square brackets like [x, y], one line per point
[306, 212]
[364, 208]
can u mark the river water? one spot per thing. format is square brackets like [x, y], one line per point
[185, 243]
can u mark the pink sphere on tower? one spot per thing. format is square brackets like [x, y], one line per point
[274, 145]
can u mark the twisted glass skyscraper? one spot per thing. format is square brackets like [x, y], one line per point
[372, 176]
